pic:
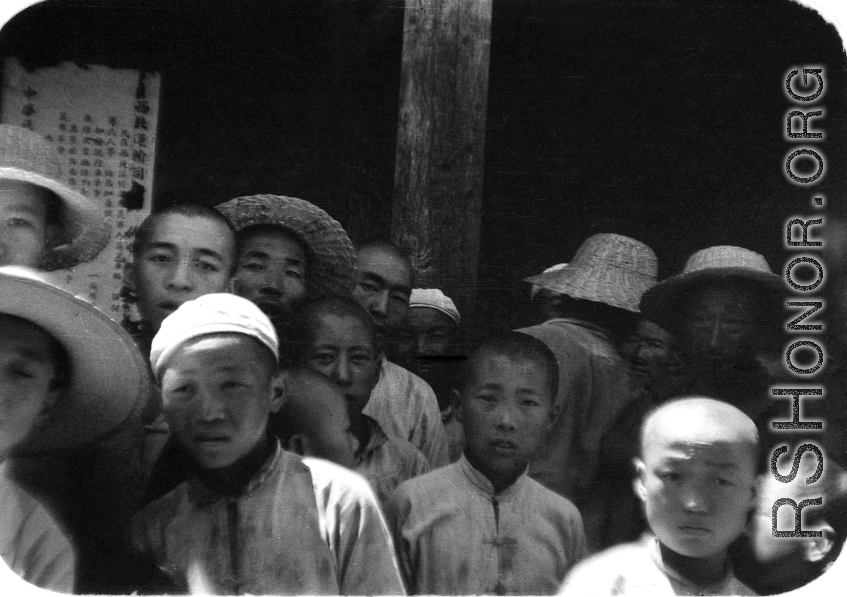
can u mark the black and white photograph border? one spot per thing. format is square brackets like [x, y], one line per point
[664, 121]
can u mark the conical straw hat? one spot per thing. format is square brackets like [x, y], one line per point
[607, 268]
[718, 263]
[108, 374]
[26, 157]
[332, 259]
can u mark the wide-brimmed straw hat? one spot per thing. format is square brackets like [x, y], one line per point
[720, 263]
[108, 373]
[332, 259]
[607, 268]
[26, 157]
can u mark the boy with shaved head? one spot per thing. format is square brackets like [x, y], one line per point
[482, 525]
[314, 420]
[697, 480]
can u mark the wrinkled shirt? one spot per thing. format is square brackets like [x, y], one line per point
[388, 461]
[637, 569]
[405, 406]
[593, 390]
[302, 526]
[455, 536]
[31, 543]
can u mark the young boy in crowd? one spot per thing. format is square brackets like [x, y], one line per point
[697, 480]
[313, 420]
[179, 253]
[58, 391]
[481, 525]
[44, 223]
[339, 340]
[251, 518]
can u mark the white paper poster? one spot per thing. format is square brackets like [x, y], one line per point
[102, 122]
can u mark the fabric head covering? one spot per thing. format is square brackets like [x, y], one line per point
[210, 314]
[433, 298]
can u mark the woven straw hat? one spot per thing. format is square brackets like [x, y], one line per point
[108, 373]
[533, 292]
[26, 157]
[332, 259]
[714, 263]
[607, 268]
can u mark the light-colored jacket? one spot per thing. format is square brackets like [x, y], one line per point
[31, 543]
[405, 406]
[302, 526]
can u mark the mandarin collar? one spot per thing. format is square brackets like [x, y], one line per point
[201, 494]
[481, 483]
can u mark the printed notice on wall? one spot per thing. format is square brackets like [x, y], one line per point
[102, 122]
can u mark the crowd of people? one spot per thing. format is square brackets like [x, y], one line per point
[291, 415]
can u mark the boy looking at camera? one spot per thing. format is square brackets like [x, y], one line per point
[697, 480]
[481, 525]
[251, 518]
[58, 394]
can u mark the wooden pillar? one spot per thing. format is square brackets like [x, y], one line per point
[441, 141]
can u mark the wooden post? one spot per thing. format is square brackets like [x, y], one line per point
[440, 142]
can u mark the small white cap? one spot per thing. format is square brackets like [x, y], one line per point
[434, 299]
[210, 314]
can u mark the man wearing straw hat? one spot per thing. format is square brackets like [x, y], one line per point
[43, 222]
[594, 300]
[289, 250]
[724, 308]
[59, 393]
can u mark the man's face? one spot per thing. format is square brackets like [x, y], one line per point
[217, 393]
[648, 351]
[271, 271]
[27, 368]
[696, 494]
[23, 223]
[342, 350]
[185, 258]
[383, 288]
[507, 411]
[425, 333]
[720, 324]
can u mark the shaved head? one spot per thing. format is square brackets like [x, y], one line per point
[315, 410]
[699, 420]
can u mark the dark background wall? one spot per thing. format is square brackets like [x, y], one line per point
[663, 120]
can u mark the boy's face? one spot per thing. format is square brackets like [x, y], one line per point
[27, 368]
[23, 223]
[342, 350]
[329, 434]
[697, 492]
[271, 271]
[217, 393]
[507, 411]
[383, 287]
[185, 258]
